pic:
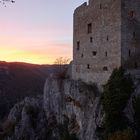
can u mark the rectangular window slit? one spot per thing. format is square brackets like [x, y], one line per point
[88, 66]
[89, 28]
[129, 53]
[107, 38]
[136, 65]
[100, 6]
[131, 14]
[134, 34]
[91, 39]
[78, 45]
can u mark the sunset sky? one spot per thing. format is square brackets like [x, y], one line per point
[37, 31]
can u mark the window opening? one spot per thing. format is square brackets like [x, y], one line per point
[78, 45]
[89, 28]
[88, 66]
[94, 53]
[105, 68]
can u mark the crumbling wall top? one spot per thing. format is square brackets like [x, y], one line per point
[81, 7]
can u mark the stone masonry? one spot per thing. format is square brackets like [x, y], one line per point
[106, 36]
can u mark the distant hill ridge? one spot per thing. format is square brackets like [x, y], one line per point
[18, 80]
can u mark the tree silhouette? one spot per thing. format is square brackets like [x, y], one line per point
[62, 61]
[62, 64]
[5, 1]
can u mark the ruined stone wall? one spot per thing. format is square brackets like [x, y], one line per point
[130, 33]
[97, 53]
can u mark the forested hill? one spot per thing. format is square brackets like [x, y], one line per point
[18, 80]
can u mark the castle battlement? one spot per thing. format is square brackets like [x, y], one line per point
[106, 36]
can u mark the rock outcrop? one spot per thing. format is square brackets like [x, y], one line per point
[28, 120]
[68, 108]
[71, 104]
[77, 102]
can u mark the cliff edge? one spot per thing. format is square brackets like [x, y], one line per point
[68, 110]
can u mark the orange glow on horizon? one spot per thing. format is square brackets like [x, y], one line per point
[37, 45]
[34, 57]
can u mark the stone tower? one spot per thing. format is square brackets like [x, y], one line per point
[106, 36]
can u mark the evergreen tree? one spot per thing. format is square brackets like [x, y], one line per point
[116, 94]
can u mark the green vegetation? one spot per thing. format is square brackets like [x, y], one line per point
[116, 94]
[7, 128]
[126, 134]
[64, 133]
[136, 106]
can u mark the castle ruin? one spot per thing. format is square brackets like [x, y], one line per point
[106, 36]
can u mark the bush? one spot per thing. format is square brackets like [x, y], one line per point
[116, 94]
[62, 67]
[7, 129]
[64, 133]
[8, 126]
[126, 134]
[136, 106]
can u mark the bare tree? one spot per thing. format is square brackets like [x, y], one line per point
[62, 63]
[5, 1]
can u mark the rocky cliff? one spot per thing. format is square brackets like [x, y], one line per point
[76, 102]
[69, 110]
[68, 106]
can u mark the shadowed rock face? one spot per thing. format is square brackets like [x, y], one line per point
[29, 119]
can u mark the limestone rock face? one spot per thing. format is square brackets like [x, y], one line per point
[76, 102]
[28, 119]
